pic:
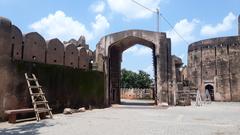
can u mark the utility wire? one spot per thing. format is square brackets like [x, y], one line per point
[165, 19]
[144, 6]
[153, 11]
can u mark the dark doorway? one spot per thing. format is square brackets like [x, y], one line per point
[210, 89]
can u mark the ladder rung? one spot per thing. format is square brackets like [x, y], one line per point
[35, 87]
[40, 102]
[31, 79]
[37, 94]
[38, 98]
[41, 110]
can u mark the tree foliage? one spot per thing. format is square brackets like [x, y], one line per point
[130, 79]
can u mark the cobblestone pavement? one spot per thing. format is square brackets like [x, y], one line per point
[210, 119]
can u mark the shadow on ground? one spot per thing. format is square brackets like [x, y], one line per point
[27, 129]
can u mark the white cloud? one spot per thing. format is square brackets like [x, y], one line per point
[64, 27]
[61, 26]
[131, 10]
[100, 25]
[225, 25]
[185, 28]
[98, 7]
[139, 50]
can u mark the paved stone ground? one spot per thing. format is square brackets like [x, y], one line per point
[211, 119]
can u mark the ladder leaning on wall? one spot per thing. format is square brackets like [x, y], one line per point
[40, 104]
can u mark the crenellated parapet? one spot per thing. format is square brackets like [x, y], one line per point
[55, 52]
[33, 47]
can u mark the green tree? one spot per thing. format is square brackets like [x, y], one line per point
[130, 79]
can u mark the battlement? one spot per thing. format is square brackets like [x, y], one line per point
[33, 47]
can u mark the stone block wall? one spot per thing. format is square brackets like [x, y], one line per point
[83, 58]
[71, 56]
[64, 86]
[55, 52]
[136, 93]
[216, 62]
[34, 47]
[5, 36]
[17, 43]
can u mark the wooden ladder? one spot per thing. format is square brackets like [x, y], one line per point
[40, 104]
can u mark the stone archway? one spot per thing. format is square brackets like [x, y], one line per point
[109, 54]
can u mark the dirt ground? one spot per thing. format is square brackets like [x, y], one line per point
[217, 118]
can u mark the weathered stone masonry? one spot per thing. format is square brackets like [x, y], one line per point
[33, 47]
[62, 69]
[109, 55]
[215, 63]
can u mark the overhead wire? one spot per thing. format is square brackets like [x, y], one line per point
[164, 18]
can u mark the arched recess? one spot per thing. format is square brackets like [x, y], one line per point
[210, 89]
[108, 60]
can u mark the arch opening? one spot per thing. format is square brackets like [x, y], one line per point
[109, 55]
[137, 76]
[210, 89]
[115, 59]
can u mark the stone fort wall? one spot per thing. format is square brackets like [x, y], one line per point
[62, 69]
[33, 47]
[215, 62]
[136, 93]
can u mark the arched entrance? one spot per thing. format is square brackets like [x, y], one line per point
[116, 51]
[210, 89]
[109, 55]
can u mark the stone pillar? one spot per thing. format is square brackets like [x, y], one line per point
[105, 66]
[115, 74]
[174, 87]
[162, 73]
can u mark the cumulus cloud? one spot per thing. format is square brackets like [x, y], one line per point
[64, 27]
[130, 10]
[98, 7]
[139, 50]
[185, 28]
[100, 25]
[225, 25]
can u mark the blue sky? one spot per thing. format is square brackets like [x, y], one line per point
[193, 19]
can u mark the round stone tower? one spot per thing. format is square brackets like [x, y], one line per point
[5, 36]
